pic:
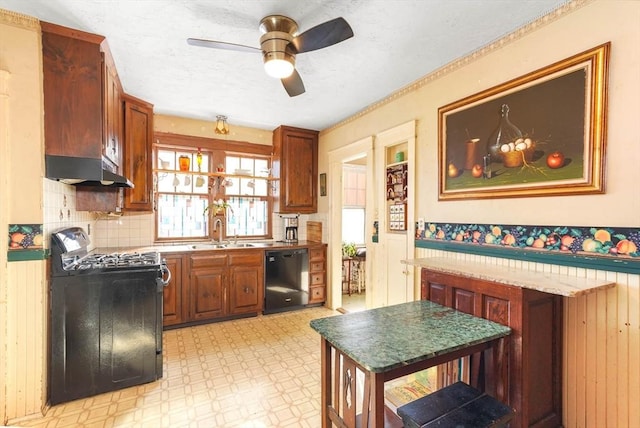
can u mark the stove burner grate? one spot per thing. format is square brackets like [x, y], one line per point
[111, 261]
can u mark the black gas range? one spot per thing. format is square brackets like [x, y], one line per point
[105, 318]
[69, 256]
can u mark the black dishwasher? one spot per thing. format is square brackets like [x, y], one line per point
[286, 280]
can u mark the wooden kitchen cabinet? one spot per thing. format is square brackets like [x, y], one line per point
[207, 286]
[82, 96]
[295, 168]
[246, 282]
[73, 82]
[172, 298]
[224, 284]
[138, 140]
[112, 105]
[81, 103]
[317, 274]
[533, 373]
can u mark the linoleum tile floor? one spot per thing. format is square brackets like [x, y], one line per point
[258, 372]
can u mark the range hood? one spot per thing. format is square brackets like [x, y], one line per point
[82, 171]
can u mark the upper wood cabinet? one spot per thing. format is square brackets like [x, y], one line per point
[112, 145]
[138, 139]
[73, 84]
[295, 164]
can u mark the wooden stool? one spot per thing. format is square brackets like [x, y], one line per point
[456, 406]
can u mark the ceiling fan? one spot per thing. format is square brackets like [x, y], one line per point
[280, 43]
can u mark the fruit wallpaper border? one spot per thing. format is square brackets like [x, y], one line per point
[26, 242]
[602, 242]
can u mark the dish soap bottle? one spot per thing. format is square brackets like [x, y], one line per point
[505, 133]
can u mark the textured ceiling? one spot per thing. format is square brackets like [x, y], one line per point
[396, 42]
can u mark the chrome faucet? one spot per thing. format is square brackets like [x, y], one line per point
[215, 228]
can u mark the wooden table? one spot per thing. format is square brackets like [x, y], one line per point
[394, 341]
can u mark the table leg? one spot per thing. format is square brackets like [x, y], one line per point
[377, 399]
[325, 382]
[496, 375]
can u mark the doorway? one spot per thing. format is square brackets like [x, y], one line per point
[357, 153]
[354, 251]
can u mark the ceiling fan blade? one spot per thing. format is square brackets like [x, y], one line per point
[293, 84]
[222, 45]
[323, 35]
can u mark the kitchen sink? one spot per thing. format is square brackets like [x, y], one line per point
[242, 245]
[207, 246]
[214, 246]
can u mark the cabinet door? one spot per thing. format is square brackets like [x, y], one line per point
[72, 86]
[138, 128]
[113, 116]
[296, 157]
[172, 293]
[208, 293]
[246, 281]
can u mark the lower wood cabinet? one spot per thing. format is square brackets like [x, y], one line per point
[172, 298]
[207, 286]
[210, 285]
[246, 282]
[533, 373]
[317, 274]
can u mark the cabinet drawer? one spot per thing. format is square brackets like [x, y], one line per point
[246, 258]
[208, 260]
[316, 266]
[316, 254]
[316, 294]
[317, 278]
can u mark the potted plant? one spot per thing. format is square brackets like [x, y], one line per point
[218, 207]
[348, 249]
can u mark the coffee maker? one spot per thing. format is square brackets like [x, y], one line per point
[290, 228]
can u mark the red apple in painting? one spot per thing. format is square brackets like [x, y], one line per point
[555, 160]
[476, 171]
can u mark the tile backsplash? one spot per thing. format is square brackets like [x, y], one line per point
[60, 211]
[127, 230]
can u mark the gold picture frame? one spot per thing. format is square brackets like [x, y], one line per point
[540, 134]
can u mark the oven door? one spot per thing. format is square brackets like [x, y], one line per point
[104, 330]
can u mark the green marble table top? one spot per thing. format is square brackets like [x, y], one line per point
[386, 338]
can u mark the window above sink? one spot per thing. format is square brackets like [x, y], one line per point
[187, 194]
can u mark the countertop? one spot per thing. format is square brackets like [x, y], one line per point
[386, 338]
[553, 283]
[207, 246]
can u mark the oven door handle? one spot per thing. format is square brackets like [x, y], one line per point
[165, 270]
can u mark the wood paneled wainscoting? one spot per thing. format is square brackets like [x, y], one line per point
[600, 343]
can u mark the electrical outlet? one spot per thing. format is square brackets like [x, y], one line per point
[420, 223]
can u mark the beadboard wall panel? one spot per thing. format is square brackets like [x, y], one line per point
[601, 347]
[26, 338]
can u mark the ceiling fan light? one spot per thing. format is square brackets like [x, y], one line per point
[278, 68]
